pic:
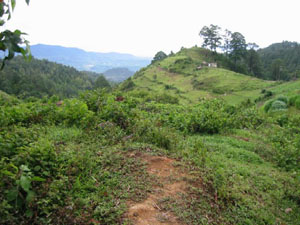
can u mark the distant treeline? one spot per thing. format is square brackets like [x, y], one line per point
[40, 78]
[279, 61]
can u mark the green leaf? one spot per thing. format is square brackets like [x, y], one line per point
[39, 179]
[30, 196]
[25, 183]
[13, 4]
[25, 168]
[28, 50]
[1, 10]
[8, 173]
[27, 1]
[37, 168]
[29, 213]
[12, 195]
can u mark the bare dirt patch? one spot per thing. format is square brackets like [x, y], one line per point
[170, 184]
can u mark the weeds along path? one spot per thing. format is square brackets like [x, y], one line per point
[170, 184]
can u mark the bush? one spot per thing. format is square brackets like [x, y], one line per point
[26, 113]
[283, 99]
[280, 103]
[127, 85]
[278, 106]
[162, 137]
[166, 99]
[268, 94]
[118, 109]
[208, 117]
[295, 101]
[74, 112]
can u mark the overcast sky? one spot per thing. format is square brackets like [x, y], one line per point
[144, 27]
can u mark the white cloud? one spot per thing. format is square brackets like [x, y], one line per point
[143, 27]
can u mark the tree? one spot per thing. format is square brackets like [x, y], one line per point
[11, 41]
[159, 56]
[278, 71]
[101, 82]
[254, 63]
[237, 46]
[253, 60]
[211, 37]
[226, 42]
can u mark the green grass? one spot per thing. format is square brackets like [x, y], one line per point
[235, 167]
[73, 164]
[288, 88]
[85, 180]
[180, 72]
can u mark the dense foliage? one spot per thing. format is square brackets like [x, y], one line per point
[277, 62]
[68, 163]
[39, 78]
[281, 60]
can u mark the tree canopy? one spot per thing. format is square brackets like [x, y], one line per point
[211, 37]
[41, 78]
[159, 56]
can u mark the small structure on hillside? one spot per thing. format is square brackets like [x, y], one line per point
[206, 64]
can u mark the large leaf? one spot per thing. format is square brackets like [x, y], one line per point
[13, 4]
[38, 179]
[30, 196]
[25, 183]
[12, 194]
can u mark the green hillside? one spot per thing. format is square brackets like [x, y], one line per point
[39, 78]
[179, 75]
[284, 55]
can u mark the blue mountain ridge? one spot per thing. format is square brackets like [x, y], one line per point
[89, 61]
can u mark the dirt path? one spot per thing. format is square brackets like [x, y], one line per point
[170, 185]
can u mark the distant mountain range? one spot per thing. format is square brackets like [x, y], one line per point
[88, 61]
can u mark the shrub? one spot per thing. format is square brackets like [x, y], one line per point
[283, 99]
[127, 85]
[117, 109]
[268, 105]
[295, 101]
[166, 99]
[74, 112]
[278, 106]
[209, 117]
[268, 94]
[162, 137]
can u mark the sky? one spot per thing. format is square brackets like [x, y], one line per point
[144, 27]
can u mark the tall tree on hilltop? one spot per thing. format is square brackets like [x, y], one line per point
[253, 60]
[211, 37]
[159, 56]
[238, 46]
[226, 41]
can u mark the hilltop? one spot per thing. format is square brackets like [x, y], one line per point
[180, 75]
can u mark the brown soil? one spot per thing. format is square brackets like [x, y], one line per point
[170, 185]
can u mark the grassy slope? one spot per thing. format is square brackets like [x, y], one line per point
[234, 177]
[181, 74]
[288, 88]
